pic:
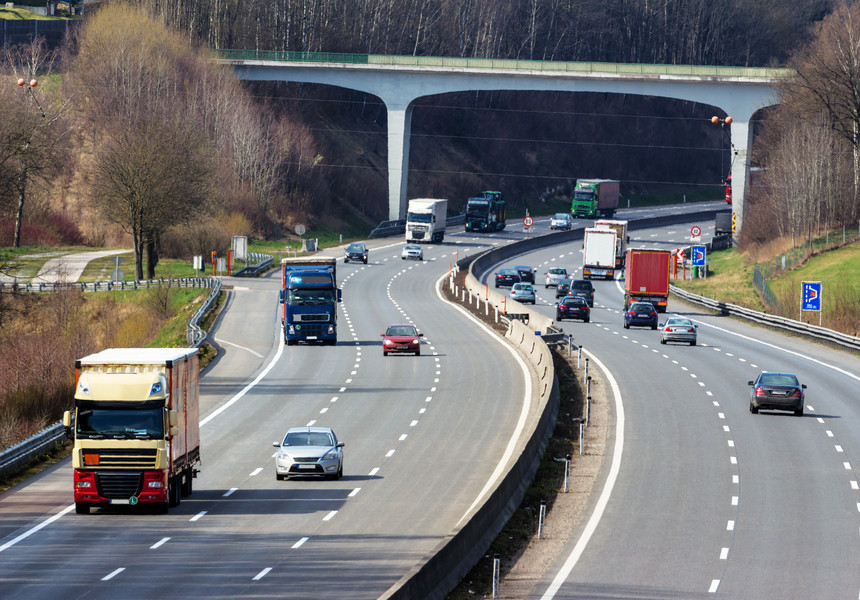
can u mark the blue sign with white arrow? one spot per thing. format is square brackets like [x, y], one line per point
[698, 256]
[811, 295]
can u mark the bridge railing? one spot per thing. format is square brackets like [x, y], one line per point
[505, 63]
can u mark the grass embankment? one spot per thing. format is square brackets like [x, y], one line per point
[731, 280]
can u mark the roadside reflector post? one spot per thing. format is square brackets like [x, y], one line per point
[497, 568]
[541, 517]
[579, 359]
[586, 369]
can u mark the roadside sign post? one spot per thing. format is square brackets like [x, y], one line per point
[699, 258]
[527, 223]
[810, 298]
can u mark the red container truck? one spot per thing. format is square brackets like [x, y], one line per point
[647, 277]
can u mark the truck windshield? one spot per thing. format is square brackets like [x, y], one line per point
[583, 195]
[419, 217]
[120, 423]
[478, 206]
[309, 296]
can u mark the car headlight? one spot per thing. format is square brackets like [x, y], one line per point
[330, 455]
[415, 341]
[387, 342]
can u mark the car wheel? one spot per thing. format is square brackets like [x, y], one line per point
[662, 341]
[753, 409]
[586, 320]
[345, 260]
[384, 353]
[418, 353]
[559, 318]
[402, 258]
[798, 412]
[365, 261]
[279, 477]
[627, 326]
[653, 327]
[693, 343]
[420, 258]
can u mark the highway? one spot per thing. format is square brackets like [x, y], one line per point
[710, 501]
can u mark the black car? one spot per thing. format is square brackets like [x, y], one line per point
[356, 251]
[584, 289]
[527, 274]
[573, 307]
[642, 314]
[562, 288]
[507, 277]
[777, 391]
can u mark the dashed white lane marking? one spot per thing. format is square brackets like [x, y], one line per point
[198, 515]
[159, 543]
[255, 472]
[113, 574]
[354, 493]
[300, 543]
[229, 492]
[714, 585]
[330, 516]
[262, 574]
[373, 472]
[390, 453]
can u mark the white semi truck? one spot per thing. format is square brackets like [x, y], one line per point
[426, 219]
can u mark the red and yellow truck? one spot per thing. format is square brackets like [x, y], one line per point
[135, 426]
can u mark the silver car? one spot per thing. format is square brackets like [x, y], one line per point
[678, 329]
[412, 252]
[554, 276]
[561, 221]
[523, 292]
[309, 451]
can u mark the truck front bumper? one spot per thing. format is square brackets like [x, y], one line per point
[101, 487]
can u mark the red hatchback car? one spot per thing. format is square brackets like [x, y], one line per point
[402, 339]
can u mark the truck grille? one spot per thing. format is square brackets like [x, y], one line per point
[306, 318]
[118, 485]
[313, 329]
[137, 458]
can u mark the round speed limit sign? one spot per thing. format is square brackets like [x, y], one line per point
[696, 230]
[528, 222]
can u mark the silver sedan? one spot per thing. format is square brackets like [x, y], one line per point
[678, 329]
[307, 451]
[412, 252]
[523, 292]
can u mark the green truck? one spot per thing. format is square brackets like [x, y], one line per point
[594, 198]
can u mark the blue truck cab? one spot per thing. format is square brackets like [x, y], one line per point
[309, 297]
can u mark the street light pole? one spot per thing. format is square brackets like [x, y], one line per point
[723, 123]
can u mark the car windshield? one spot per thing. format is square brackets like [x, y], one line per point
[401, 330]
[507, 272]
[524, 269]
[679, 322]
[777, 379]
[581, 285]
[310, 296]
[641, 307]
[355, 248]
[413, 247]
[523, 287]
[308, 438]
[560, 217]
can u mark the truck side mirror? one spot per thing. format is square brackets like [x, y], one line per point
[339, 295]
[172, 418]
[67, 423]
[281, 296]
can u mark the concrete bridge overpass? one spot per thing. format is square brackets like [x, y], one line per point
[399, 80]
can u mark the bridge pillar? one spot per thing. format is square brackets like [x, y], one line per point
[741, 139]
[399, 126]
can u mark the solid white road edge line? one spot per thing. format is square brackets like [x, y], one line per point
[600, 508]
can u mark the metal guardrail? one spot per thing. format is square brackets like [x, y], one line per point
[797, 327]
[18, 456]
[100, 286]
[256, 262]
[194, 334]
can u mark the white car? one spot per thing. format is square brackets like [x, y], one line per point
[412, 252]
[561, 221]
[554, 276]
[307, 451]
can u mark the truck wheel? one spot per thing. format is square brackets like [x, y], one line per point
[173, 492]
[82, 509]
[187, 486]
[291, 342]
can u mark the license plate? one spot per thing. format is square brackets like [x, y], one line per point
[312, 337]
[307, 467]
[120, 502]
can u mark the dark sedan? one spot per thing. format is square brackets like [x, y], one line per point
[507, 277]
[356, 251]
[573, 307]
[641, 314]
[777, 391]
[584, 289]
[527, 273]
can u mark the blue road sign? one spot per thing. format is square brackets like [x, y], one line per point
[811, 295]
[698, 256]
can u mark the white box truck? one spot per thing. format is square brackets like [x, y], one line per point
[620, 229]
[598, 257]
[426, 219]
